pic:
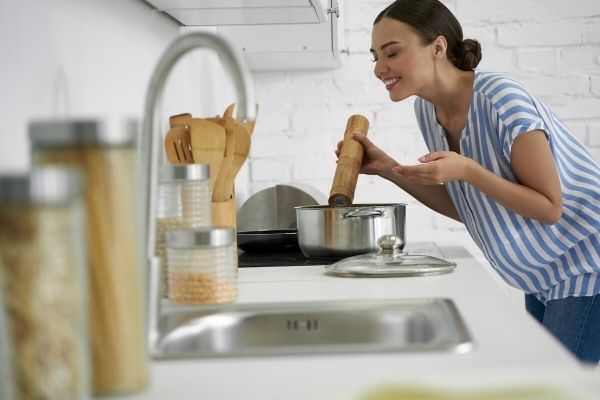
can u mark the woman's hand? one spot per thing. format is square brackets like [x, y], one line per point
[436, 168]
[375, 161]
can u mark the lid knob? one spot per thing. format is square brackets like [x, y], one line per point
[390, 244]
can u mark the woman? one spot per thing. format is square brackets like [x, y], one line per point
[501, 162]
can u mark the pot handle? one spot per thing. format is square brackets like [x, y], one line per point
[364, 213]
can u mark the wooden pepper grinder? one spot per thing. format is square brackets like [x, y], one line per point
[348, 164]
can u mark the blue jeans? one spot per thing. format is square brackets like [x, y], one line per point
[574, 321]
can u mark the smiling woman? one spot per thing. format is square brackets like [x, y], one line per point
[501, 162]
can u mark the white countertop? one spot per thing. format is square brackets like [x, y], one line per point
[508, 343]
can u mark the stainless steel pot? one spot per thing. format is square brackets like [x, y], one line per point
[335, 232]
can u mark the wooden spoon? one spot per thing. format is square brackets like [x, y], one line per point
[242, 148]
[178, 146]
[208, 146]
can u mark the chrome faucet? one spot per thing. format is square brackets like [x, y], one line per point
[150, 145]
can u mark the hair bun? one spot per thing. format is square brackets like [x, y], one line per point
[471, 54]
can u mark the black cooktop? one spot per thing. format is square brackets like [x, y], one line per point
[287, 258]
[292, 255]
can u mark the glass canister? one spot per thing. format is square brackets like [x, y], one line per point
[7, 382]
[45, 283]
[104, 151]
[202, 266]
[184, 201]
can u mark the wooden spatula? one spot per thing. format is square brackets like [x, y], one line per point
[220, 191]
[228, 113]
[180, 120]
[242, 148]
[208, 146]
[250, 124]
[178, 146]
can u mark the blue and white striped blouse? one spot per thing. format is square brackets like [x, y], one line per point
[551, 261]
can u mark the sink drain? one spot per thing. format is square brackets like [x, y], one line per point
[302, 325]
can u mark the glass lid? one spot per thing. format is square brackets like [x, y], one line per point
[391, 261]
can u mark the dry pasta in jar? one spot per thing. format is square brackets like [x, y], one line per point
[45, 283]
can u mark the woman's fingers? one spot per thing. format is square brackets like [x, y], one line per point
[338, 149]
[432, 156]
[362, 139]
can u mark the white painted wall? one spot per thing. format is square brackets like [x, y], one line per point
[73, 58]
[95, 57]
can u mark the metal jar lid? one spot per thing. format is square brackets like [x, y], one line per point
[43, 185]
[206, 237]
[82, 132]
[186, 172]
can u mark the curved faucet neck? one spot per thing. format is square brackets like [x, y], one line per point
[150, 148]
[150, 143]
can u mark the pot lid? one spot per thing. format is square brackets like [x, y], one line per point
[391, 261]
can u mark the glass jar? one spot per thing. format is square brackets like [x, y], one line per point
[7, 382]
[105, 154]
[202, 266]
[45, 283]
[184, 201]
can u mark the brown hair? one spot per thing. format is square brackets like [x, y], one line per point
[430, 19]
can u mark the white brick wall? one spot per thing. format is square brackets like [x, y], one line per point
[552, 46]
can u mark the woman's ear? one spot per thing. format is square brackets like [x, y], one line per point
[439, 46]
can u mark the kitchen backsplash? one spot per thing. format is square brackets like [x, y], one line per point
[74, 58]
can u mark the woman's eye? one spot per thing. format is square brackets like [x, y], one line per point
[391, 55]
[374, 59]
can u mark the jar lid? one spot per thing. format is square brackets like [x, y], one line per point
[82, 132]
[210, 237]
[391, 261]
[42, 185]
[185, 172]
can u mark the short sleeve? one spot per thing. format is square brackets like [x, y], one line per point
[517, 113]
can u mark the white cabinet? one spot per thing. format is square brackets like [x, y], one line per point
[243, 12]
[271, 34]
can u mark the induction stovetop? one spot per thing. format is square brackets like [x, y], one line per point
[290, 257]
[287, 258]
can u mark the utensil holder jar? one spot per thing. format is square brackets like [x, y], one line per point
[184, 198]
[105, 154]
[202, 266]
[45, 285]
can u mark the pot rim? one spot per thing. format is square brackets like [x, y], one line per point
[364, 205]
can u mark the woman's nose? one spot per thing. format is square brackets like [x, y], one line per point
[379, 69]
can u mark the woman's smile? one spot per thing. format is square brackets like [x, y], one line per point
[390, 83]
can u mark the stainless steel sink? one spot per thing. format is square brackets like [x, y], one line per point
[312, 328]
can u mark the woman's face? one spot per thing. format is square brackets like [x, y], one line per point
[402, 62]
